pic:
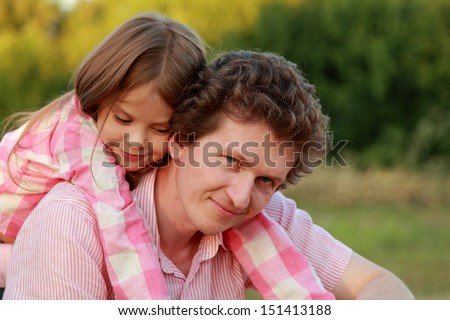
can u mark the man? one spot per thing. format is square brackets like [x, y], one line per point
[250, 127]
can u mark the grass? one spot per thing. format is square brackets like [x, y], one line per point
[395, 218]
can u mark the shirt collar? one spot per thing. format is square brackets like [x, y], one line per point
[209, 244]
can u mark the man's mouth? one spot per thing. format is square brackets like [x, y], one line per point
[227, 210]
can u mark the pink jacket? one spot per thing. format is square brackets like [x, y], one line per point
[65, 147]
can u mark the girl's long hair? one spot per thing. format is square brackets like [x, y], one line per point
[148, 47]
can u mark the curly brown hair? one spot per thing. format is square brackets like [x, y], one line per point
[252, 87]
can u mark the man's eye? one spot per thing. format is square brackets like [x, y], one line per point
[121, 120]
[231, 161]
[266, 180]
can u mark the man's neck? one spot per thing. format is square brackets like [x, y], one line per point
[178, 240]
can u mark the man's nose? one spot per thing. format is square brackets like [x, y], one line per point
[239, 191]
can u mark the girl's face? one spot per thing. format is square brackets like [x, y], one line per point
[135, 128]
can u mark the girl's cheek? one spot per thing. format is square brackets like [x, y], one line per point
[161, 147]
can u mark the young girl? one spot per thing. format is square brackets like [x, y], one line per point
[114, 124]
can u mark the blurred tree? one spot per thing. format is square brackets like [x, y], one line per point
[41, 43]
[30, 71]
[381, 67]
[209, 18]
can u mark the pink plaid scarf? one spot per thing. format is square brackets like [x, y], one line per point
[64, 147]
[275, 266]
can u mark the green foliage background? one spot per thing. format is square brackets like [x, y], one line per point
[381, 67]
[382, 72]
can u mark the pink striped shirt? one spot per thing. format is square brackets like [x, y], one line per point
[75, 267]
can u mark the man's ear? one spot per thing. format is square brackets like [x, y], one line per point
[174, 147]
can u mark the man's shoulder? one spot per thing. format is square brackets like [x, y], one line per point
[66, 190]
[282, 209]
[279, 204]
[69, 196]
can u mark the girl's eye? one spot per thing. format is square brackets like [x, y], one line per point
[162, 130]
[121, 120]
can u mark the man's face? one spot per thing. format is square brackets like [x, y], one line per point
[230, 175]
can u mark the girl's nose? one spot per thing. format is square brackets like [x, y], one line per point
[135, 140]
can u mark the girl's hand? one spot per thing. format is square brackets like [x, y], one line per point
[6, 239]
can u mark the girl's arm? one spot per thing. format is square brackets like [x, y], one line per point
[6, 239]
[5, 252]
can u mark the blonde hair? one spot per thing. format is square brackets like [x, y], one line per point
[148, 47]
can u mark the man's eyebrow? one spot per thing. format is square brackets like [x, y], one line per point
[236, 153]
[250, 162]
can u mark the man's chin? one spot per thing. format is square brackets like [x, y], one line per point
[212, 232]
